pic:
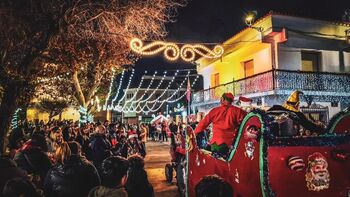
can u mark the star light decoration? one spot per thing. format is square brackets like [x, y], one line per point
[173, 52]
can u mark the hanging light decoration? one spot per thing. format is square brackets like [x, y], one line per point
[127, 88]
[172, 51]
[144, 93]
[135, 94]
[154, 91]
[167, 100]
[118, 90]
[109, 90]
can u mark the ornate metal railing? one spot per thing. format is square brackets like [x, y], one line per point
[279, 80]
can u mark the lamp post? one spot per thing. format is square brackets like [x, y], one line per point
[250, 19]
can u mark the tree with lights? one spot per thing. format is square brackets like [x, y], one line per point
[52, 107]
[43, 39]
[90, 55]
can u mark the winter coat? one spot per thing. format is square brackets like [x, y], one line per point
[102, 191]
[137, 184]
[226, 120]
[76, 177]
[101, 147]
[9, 170]
[33, 160]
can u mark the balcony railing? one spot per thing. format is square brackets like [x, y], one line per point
[279, 80]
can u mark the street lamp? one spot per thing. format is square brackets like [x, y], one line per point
[250, 19]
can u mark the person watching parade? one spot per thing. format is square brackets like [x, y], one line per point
[293, 105]
[226, 120]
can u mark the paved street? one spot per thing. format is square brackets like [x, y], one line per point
[157, 156]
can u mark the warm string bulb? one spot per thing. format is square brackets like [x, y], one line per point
[118, 90]
[127, 88]
[153, 92]
[172, 51]
[135, 94]
[154, 101]
[162, 102]
[166, 100]
[144, 93]
[109, 90]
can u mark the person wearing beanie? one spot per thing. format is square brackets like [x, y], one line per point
[292, 105]
[226, 120]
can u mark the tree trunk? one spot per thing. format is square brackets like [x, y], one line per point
[8, 107]
[81, 97]
[50, 116]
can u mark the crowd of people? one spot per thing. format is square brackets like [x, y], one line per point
[62, 158]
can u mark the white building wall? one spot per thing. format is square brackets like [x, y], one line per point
[330, 61]
[289, 58]
[347, 61]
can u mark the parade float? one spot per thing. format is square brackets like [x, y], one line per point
[271, 157]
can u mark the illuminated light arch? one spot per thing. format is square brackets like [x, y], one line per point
[173, 52]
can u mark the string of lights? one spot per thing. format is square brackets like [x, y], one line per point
[118, 107]
[153, 109]
[98, 104]
[118, 90]
[144, 93]
[153, 92]
[109, 90]
[135, 94]
[14, 121]
[43, 80]
[168, 99]
[172, 51]
[157, 88]
[183, 95]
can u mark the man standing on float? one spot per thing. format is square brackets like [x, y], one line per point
[226, 120]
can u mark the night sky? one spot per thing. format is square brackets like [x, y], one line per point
[217, 20]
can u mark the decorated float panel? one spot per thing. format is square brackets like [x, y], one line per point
[265, 161]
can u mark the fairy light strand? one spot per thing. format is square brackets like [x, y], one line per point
[173, 52]
[118, 89]
[127, 88]
[145, 92]
[109, 90]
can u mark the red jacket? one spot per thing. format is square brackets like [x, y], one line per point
[226, 120]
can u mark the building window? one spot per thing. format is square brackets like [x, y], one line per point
[129, 96]
[248, 68]
[334, 104]
[310, 61]
[215, 79]
[259, 102]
